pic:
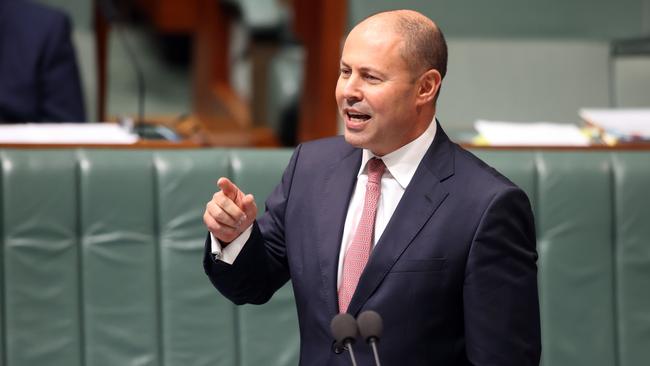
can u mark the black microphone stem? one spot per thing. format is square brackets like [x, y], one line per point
[138, 73]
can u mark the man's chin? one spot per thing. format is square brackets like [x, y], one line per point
[355, 138]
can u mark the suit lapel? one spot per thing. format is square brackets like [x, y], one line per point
[421, 198]
[335, 198]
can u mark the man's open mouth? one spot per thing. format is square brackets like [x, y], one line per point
[357, 117]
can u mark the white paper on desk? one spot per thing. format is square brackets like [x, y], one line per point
[527, 134]
[624, 122]
[66, 133]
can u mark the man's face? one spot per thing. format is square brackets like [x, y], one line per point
[376, 92]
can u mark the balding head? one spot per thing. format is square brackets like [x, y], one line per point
[424, 46]
[390, 76]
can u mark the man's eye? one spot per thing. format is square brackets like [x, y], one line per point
[345, 72]
[372, 78]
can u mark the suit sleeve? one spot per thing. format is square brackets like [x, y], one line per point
[261, 267]
[61, 98]
[501, 305]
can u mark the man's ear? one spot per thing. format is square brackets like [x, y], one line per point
[428, 86]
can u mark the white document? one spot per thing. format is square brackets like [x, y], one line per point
[66, 133]
[498, 133]
[630, 123]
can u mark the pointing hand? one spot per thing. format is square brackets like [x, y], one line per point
[230, 212]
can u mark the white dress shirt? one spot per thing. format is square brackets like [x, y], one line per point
[400, 168]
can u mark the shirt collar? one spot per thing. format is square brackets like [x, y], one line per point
[402, 163]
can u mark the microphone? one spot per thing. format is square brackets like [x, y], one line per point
[370, 326]
[344, 329]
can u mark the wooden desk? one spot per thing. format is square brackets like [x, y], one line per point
[319, 24]
[143, 144]
[203, 131]
[621, 147]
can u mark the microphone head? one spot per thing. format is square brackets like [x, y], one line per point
[344, 328]
[370, 325]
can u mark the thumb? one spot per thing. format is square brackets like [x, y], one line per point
[249, 207]
[229, 188]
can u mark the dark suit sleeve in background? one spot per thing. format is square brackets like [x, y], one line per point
[60, 86]
[39, 75]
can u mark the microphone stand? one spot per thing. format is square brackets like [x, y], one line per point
[344, 329]
[373, 345]
[348, 345]
[370, 326]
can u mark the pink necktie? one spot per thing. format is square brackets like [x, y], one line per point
[359, 250]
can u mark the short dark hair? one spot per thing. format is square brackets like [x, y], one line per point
[424, 44]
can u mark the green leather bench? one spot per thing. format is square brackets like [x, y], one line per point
[101, 257]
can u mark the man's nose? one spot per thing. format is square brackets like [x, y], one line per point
[352, 91]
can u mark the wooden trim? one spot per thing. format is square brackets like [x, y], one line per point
[216, 103]
[621, 147]
[222, 141]
[320, 25]
[147, 144]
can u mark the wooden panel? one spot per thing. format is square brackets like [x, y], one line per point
[320, 25]
[171, 16]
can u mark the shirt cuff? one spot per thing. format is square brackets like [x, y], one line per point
[230, 252]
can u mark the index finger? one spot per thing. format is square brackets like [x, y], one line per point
[228, 188]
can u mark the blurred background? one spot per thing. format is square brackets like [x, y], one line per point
[263, 72]
[100, 248]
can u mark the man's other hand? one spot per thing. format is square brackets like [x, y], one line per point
[230, 212]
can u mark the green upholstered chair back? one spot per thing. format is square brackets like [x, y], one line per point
[101, 257]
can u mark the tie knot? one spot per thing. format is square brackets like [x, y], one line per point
[376, 169]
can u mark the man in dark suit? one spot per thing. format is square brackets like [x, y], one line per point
[392, 217]
[39, 78]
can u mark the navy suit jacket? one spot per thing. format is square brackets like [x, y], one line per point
[454, 274]
[39, 77]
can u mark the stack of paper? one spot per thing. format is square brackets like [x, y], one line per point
[498, 133]
[626, 124]
[66, 133]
